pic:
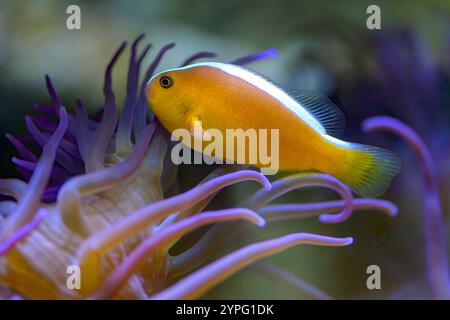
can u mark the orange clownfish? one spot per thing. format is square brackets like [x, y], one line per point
[225, 96]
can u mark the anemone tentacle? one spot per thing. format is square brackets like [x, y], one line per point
[97, 148]
[435, 246]
[266, 54]
[82, 135]
[141, 110]
[20, 147]
[14, 188]
[283, 212]
[98, 181]
[65, 160]
[110, 216]
[280, 187]
[199, 282]
[108, 238]
[198, 56]
[124, 143]
[217, 235]
[30, 202]
[164, 240]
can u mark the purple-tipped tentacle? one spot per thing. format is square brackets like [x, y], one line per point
[65, 160]
[435, 247]
[56, 102]
[124, 144]
[198, 56]
[102, 136]
[283, 212]
[221, 170]
[20, 147]
[48, 126]
[109, 237]
[199, 282]
[194, 256]
[44, 109]
[143, 55]
[50, 194]
[266, 54]
[82, 134]
[98, 181]
[163, 240]
[280, 187]
[30, 202]
[153, 163]
[141, 111]
[58, 173]
[22, 233]
[297, 288]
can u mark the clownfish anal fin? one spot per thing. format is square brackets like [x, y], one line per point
[323, 109]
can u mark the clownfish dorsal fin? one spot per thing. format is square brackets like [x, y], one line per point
[323, 109]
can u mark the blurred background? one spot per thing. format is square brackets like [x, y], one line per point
[402, 70]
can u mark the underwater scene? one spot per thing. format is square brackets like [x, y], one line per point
[226, 150]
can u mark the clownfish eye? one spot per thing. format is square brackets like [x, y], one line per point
[165, 82]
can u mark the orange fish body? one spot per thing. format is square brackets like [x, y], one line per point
[223, 96]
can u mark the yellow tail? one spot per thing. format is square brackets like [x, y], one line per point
[367, 170]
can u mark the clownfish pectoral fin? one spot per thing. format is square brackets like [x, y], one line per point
[197, 130]
[323, 109]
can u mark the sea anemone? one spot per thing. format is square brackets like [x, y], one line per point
[95, 198]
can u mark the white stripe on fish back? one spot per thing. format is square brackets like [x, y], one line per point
[263, 85]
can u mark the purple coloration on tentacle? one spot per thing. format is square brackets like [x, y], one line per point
[50, 194]
[56, 103]
[283, 212]
[22, 233]
[44, 123]
[435, 248]
[199, 282]
[198, 56]
[43, 109]
[47, 125]
[124, 144]
[58, 173]
[70, 148]
[163, 240]
[30, 202]
[108, 238]
[143, 55]
[82, 134]
[141, 111]
[266, 54]
[193, 257]
[98, 181]
[107, 126]
[23, 151]
[280, 187]
[66, 161]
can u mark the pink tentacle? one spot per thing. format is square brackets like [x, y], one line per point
[435, 247]
[199, 282]
[162, 240]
